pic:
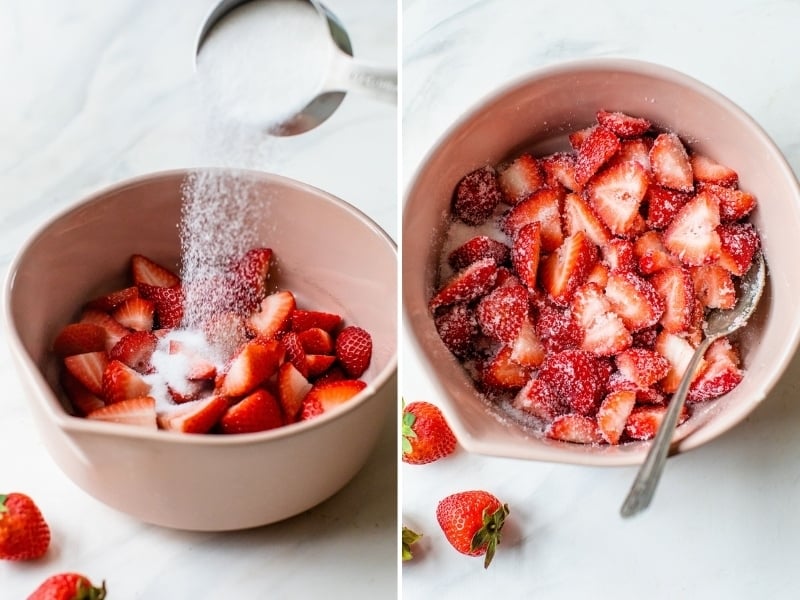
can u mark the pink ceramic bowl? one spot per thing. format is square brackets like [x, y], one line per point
[330, 255]
[535, 113]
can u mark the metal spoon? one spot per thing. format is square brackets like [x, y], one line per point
[343, 74]
[719, 323]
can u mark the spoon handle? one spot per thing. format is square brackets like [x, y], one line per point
[644, 486]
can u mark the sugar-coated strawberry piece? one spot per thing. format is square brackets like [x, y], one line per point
[575, 428]
[184, 391]
[721, 373]
[295, 352]
[537, 399]
[259, 411]
[502, 373]
[734, 204]
[316, 340]
[147, 271]
[644, 421]
[257, 361]
[273, 315]
[525, 252]
[197, 416]
[136, 411]
[79, 338]
[82, 400]
[562, 272]
[557, 329]
[501, 313]
[641, 366]
[225, 331]
[579, 216]
[613, 414]
[713, 286]
[678, 352]
[618, 255]
[635, 150]
[670, 164]
[120, 382]
[468, 284]
[354, 350]
[616, 194]
[88, 369]
[318, 364]
[634, 299]
[577, 378]
[458, 328]
[599, 274]
[301, 320]
[115, 331]
[644, 395]
[292, 389]
[739, 243]
[520, 178]
[646, 338]
[622, 124]
[559, 170]
[477, 248]
[331, 394]
[136, 313]
[135, 350]
[650, 253]
[604, 332]
[476, 196]
[251, 275]
[527, 349]
[579, 136]
[597, 149]
[168, 302]
[108, 302]
[708, 170]
[543, 206]
[675, 287]
[692, 235]
[663, 204]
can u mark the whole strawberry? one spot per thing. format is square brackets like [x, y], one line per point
[68, 586]
[426, 435]
[24, 534]
[472, 522]
[354, 350]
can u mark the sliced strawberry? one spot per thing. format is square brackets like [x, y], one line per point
[542, 206]
[274, 314]
[713, 286]
[663, 204]
[577, 379]
[642, 367]
[108, 302]
[739, 243]
[721, 373]
[292, 389]
[79, 338]
[650, 253]
[579, 136]
[644, 395]
[197, 416]
[250, 275]
[675, 287]
[613, 414]
[678, 351]
[559, 170]
[619, 256]
[468, 284]
[501, 313]
[478, 248]
[615, 196]
[334, 373]
[734, 204]
[599, 274]
[501, 373]
[574, 428]
[260, 411]
[114, 330]
[135, 350]
[538, 400]
[189, 390]
[622, 124]
[82, 400]
[149, 272]
[578, 216]
[709, 171]
[88, 369]
[120, 382]
[604, 332]
[635, 150]
[135, 313]
[566, 269]
[316, 340]
[318, 364]
[670, 163]
[646, 338]
[476, 196]
[520, 178]
[634, 299]
[644, 421]
[168, 303]
[597, 149]
[331, 394]
[354, 350]
[306, 319]
[692, 236]
[527, 350]
[136, 411]
[198, 367]
[294, 352]
[458, 328]
[557, 329]
[525, 251]
[256, 362]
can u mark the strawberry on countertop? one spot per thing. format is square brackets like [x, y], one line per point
[472, 522]
[24, 534]
[68, 586]
[426, 436]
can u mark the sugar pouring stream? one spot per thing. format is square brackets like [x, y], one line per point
[719, 323]
[295, 64]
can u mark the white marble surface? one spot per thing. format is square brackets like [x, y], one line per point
[724, 523]
[94, 92]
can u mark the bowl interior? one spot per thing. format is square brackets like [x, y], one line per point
[535, 114]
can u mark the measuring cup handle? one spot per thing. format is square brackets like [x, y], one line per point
[380, 83]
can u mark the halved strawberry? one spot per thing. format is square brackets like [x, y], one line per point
[634, 299]
[721, 373]
[543, 206]
[501, 373]
[250, 275]
[135, 350]
[79, 338]
[120, 382]
[734, 204]
[577, 379]
[713, 286]
[331, 394]
[557, 329]
[108, 302]
[476, 196]
[642, 367]
[678, 351]
[578, 136]
[188, 390]
[197, 416]
[292, 389]
[198, 367]
[273, 315]
[574, 428]
[559, 170]
[537, 399]
[88, 369]
[478, 248]
[644, 395]
[613, 414]
[615, 196]
[149, 272]
[168, 303]
[597, 149]
[525, 252]
[520, 178]
[675, 287]
[644, 421]
[458, 328]
[260, 411]
[256, 362]
[318, 364]
[670, 163]
[692, 235]
[354, 350]
[599, 274]
[136, 411]
[135, 313]
[663, 204]
[634, 150]
[115, 331]
[501, 313]
[82, 400]
[578, 216]
[316, 340]
[604, 332]
[294, 352]
[562, 272]
[527, 349]
[468, 284]
[650, 253]
[306, 319]
[739, 243]
[619, 256]
[708, 170]
[622, 124]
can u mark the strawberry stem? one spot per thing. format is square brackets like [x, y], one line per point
[488, 536]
